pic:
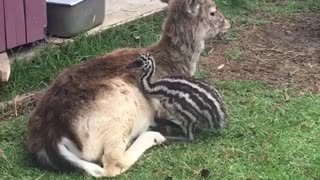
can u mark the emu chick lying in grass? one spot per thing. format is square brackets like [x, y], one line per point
[185, 101]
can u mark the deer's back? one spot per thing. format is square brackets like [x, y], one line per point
[76, 93]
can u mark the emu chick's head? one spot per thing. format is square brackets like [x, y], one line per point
[144, 62]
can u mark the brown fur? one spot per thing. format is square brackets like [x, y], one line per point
[97, 104]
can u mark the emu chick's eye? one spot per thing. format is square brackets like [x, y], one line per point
[212, 13]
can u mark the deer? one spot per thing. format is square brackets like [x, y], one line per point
[94, 118]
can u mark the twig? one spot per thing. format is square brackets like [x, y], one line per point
[19, 103]
[271, 49]
[260, 37]
[274, 48]
[40, 176]
[15, 105]
[255, 57]
[2, 155]
[286, 95]
[254, 27]
[296, 56]
[260, 45]
[127, 10]
[311, 175]
[22, 98]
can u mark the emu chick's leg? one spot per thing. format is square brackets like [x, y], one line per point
[118, 159]
[191, 129]
[189, 134]
[166, 127]
[165, 122]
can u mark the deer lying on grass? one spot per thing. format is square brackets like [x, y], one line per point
[95, 113]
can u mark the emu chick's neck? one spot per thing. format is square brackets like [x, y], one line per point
[145, 78]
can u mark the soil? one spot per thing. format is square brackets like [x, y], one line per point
[285, 52]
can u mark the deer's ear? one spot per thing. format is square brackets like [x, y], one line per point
[165, 1]
[193, 6]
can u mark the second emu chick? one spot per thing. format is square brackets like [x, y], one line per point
[187, 102]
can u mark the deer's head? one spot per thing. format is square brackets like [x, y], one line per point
[198, 18]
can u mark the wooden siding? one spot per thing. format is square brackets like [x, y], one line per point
[2, 28]
[21, 22]
[36, 19]
[15, 23]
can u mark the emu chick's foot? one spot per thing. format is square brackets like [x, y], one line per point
[178, 138]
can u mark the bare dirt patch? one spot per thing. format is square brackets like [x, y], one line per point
[284, 52]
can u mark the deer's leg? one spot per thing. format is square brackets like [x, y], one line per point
[145, 141]
[119, 159]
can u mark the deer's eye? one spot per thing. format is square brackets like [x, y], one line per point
[212, 13]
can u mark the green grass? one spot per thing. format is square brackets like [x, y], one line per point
[201, 74]
[234, 54]
[267, 138]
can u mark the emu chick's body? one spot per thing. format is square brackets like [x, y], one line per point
[187, 102]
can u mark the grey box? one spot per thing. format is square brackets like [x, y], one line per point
[71, 19]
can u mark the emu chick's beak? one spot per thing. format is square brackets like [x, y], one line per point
[134, 65]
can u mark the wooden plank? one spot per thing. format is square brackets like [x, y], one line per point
[36, 19]
[2, 29]
[15, 23]
[4, 67]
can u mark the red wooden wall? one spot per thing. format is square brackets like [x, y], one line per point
[15, 23]
[23, 21]
[36, 19]
[2, 28]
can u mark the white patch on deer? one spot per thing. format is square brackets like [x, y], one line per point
[65, 148]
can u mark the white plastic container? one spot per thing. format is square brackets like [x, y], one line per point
[68, 18]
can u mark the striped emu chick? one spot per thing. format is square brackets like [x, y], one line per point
[187, 102]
